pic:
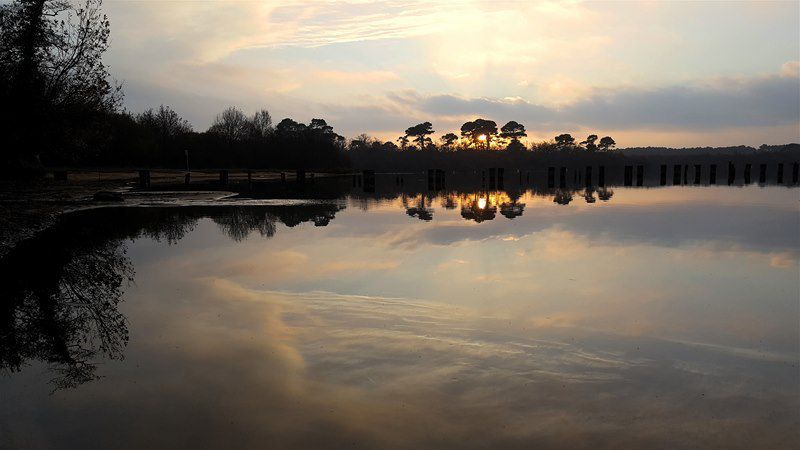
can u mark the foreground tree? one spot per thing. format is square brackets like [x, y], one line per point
[52, 72]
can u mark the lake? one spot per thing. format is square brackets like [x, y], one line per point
[616, 317]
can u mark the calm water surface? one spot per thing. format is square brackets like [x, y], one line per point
[662, 318]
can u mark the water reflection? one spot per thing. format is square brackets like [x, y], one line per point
[253, 326]
[60, 300]
[62, 290]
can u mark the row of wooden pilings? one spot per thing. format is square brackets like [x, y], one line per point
[301, 176]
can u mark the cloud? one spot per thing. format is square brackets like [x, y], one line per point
[757, 101]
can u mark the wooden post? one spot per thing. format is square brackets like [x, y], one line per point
[639, 175]
[628, 175]
[187, 178]
[712, 174]
[588, 176]
[551, 177]
[562, 182]
[762, 174]
[780, 173]
[663, 178]
[283, 177]
[601, 176]
[697, 173]
[747, 174]
[731, 173]
[676, 175]
[795, 172]
[223, 177]
[685, 174]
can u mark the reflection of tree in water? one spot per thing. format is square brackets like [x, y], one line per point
[512, 208]
[478, 209]
[61, 305]
[62, 289]
[562, 197]
[588, 195]
[238, 222]
[605, 194]
[419, 209]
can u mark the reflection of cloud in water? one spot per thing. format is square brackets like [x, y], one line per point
[310, 370]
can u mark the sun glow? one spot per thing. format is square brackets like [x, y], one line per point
[481, 203]
[482, 137]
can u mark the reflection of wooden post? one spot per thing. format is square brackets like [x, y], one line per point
[639, 175]
[249, 179]
[628, 175]
[676, 175]
[747, 174]
[144, 179]
[712, 174]
[663, 179]
[795, 172]
[369, 180]
[762, 173]
[431, 185]
[588, 177]
[562, 181]
[697, 172]
[223, 177]
[551, 177]
[300, 175]
[731, 173]
[492, 178]
[501, 177]
[283, 177]
[601, 176]
[780, 173]
[187, 178]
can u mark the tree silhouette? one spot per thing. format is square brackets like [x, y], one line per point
[565, 142]
[448, 140]
[231, 124]
[261, 124]
[420, 132]
[606, 144]
[479, 128]
[403, 140]
[165, 123]
[513, 130]
[52, 73]
[589, 143]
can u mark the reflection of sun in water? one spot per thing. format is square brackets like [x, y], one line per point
[481, 203]
[482, 137]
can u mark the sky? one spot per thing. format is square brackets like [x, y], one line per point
[650, 73]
